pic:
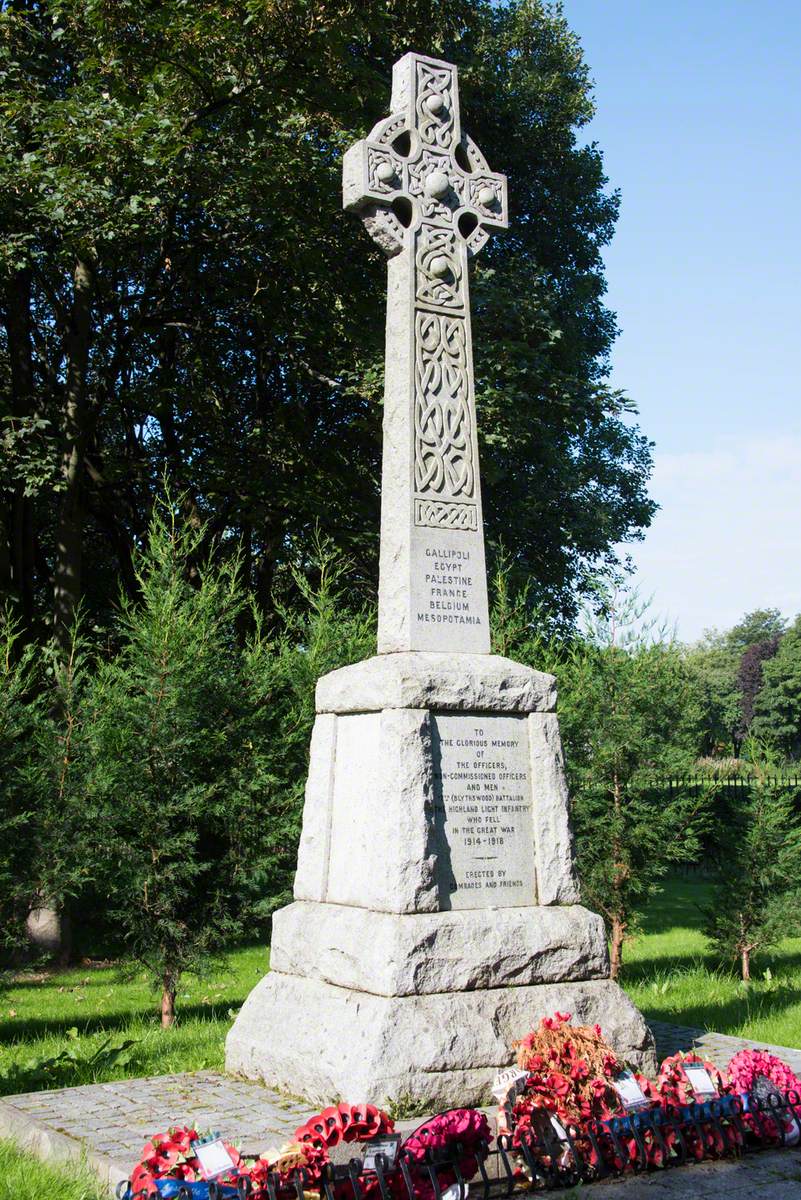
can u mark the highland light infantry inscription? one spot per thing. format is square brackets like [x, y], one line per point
[483, 810]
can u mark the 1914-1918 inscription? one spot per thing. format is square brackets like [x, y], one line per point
[483, 810]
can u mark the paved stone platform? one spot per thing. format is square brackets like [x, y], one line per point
[718, 1048]
[108, 1123]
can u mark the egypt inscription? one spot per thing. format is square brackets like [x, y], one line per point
[446, 592]
[483, 810]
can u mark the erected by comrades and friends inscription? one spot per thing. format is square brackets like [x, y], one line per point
[483, 810]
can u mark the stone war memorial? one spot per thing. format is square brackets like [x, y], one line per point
[436, 913]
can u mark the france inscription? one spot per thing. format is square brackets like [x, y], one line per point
[483, 810]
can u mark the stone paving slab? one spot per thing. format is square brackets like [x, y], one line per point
[772, 1175]
[108, 1123]
[719, 1048]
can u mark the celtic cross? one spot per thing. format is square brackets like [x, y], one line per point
[427, 196]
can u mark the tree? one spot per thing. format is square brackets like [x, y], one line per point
[167, 832]
[179, 289]
[716, 661]
[21, 772]
[750, 677]
[713, 665]
[755, 901]
[628, 712]
[777, 708]
[761, 625]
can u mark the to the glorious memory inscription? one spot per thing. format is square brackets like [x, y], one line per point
[483, 810]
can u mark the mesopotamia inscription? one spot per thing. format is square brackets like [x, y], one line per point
[447, 592]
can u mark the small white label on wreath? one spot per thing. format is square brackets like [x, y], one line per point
[213, 1157]
[388, 1145]
[629, 1090]
[505, 1081]
[700, 1080]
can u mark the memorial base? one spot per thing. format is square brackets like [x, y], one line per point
[436, 915]
[329, 1043]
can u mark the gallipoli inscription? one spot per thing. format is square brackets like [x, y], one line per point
[483, 810]
[449, 591]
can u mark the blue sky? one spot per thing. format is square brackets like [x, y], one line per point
[699, 120]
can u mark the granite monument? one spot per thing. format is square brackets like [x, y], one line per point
[436, 914]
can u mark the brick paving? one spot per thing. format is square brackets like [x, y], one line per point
[107, 1123]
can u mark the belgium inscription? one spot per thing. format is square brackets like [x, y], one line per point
[483, 810]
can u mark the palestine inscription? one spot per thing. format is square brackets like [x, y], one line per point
[483, 810]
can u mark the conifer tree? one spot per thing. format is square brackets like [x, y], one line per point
[20, 777]
[169, 828]
[756, 898]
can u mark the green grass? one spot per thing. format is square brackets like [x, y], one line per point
[23, 1177]
[671, 975]
[38, 1014]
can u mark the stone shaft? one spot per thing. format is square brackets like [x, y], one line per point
[428, 198]
[432, 592]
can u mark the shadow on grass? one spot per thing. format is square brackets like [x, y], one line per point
[681, 904]
[36, 1027]
[722, 1016]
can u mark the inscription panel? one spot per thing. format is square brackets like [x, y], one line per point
[449, 590]
[483, 810]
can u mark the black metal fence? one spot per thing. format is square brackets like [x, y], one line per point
[653, 1138]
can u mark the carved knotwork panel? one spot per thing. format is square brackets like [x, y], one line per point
[439, 274]
[435, 107]
[433, 208]
[379, 164]
[444, 469]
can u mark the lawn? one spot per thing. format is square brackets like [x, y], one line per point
[668, 972]
[79, 1010]
[23, 1177]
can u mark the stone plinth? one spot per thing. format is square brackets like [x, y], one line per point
[436, 913]
[333, 1042]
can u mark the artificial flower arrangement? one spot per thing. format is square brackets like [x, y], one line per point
[570, 1088]
[171, 1155]
[688, 1079]
[569, 1100]
[462, 1131]
[756, 1073]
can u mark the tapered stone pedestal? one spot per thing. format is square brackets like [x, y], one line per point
[436, 916]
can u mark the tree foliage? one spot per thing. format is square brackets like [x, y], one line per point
[750, 678]
[167, 781]
[21, 716]
[629, 715]
[180, 289]
[777, 707]
[726, 669]
[167, 829]
[755, 900]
